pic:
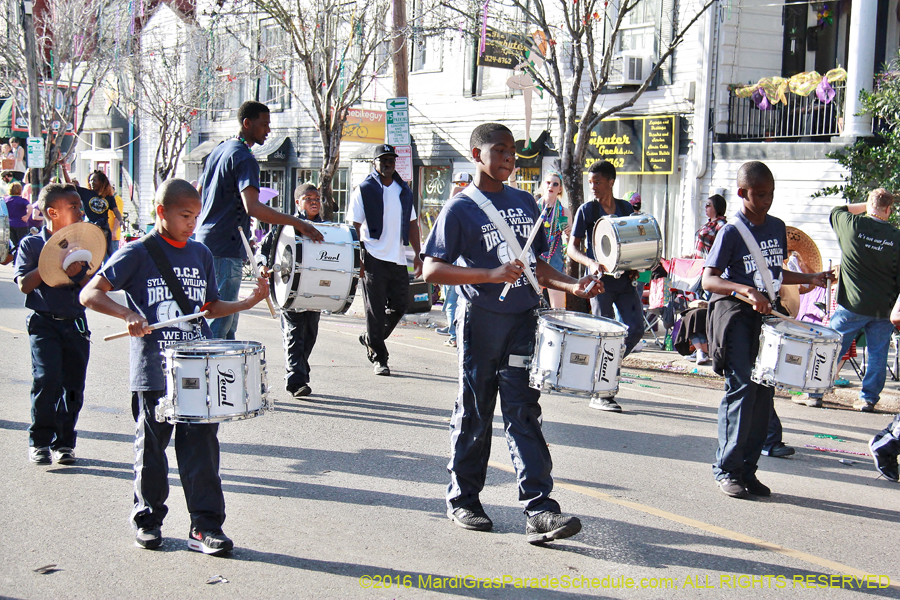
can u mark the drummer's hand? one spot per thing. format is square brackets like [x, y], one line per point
[75, 268]
[821, 279]
[261, 291]
[417, 267]
[583, 283]
[137, 325]
[307, 230]
[761, 303]
[507, 272]
[597, 269]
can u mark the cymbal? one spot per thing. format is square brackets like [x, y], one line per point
[76, 242]
[802, 244]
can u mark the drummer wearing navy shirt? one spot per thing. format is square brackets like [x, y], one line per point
[619, 291]
[150, 301]
[495, 338]
[733, 328]
[230, 186]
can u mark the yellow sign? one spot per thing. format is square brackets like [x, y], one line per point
[635, 145]
[365, 126]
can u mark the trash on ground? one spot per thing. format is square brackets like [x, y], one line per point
[46, 569]
[216, 579]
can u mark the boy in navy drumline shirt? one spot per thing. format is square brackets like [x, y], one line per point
[150, 301]
[298, 328]
[734, 328]
[495, 338]
[58, 334]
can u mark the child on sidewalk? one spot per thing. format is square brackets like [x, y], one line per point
[133, 270]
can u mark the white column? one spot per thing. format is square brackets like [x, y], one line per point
[860, 65]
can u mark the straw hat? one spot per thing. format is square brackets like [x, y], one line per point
[77, 242]
[802, 244]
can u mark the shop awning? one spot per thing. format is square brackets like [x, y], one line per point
[274, 150]
[198, 154]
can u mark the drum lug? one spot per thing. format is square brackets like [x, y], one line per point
[246, 370]
[208, 399]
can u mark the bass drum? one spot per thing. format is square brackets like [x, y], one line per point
[315, 276]
[4, 238]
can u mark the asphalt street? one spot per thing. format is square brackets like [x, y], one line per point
[341, 495]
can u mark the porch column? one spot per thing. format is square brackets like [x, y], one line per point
[860, 65]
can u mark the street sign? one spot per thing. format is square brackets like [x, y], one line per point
[398, 121]
[35, 153]
[403, 165]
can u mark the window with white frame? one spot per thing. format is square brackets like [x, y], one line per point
[426, 43]
[638, 32]
[275, 74]
[230, 59]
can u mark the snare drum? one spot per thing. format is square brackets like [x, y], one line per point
[577, 353]
[315, 276]
[794, 357]
[632, 242]
[213, 381]
[4, 237]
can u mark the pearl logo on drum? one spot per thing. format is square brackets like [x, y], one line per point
[325, 257]
[225, 378]
[578, 359]
[605, 358]
[818, 361]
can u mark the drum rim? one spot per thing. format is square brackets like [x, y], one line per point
[544, 315]
[180, 349]
[829, 334]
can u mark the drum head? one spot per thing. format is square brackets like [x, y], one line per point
[575, 321]
[285, 253]
[606, 243]
[215, 347]
[806, 331]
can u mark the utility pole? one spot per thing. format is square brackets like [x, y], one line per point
[26, 9]
[400, 58]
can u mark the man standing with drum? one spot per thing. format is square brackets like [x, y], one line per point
[230, 186]
[618, 291]
[381, 209]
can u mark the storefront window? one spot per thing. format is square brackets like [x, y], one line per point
[434, 191]
[529, 179]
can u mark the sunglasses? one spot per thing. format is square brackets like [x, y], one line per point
[553, 183]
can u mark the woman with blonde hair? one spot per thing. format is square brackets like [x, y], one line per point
[557, 228]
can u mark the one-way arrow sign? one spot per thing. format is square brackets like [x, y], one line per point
[398, 103]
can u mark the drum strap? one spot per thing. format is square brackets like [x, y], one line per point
[502, 227]
[151, 243]
[755, 251]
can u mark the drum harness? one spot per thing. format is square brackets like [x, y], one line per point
[151, 243]
[475, 195]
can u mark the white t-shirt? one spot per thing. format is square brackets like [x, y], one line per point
[389, 247]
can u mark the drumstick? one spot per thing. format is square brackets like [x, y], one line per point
[828, 291]
[174, 321]
[806, 326]
[531, 236]
[255, 268]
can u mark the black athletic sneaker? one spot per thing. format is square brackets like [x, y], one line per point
[548, 526]
[732, 487]
[301, 392]
[607, 404]
[755, 487]
[149, 538]
[40, 456]
[364, 340]
[64, 456]
[209, 542]
[471, 517]
[885, 463]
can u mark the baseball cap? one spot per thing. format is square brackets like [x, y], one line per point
[384, 150]
[462, 177]
[634, 198]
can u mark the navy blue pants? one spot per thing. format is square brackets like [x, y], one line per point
[197, 452]
[59, 358]
[299, 332]
[746, 408]
[386, 293]
[773, 434]
[492, 350]
[621, 293]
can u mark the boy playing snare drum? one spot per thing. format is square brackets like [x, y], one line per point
[495, 338]
[133, 270]
[733, 327]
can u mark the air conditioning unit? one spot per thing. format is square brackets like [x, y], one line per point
[630, 68]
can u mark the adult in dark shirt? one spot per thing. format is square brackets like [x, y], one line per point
[18, 209]
[230, 188]
[617, 291]
[99, 200]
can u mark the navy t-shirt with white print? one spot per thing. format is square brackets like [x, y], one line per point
[729, 253]
[132, 269]
[463, 231]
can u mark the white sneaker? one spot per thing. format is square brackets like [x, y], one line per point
[638, 347]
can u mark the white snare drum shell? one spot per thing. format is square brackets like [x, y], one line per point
[795, 358]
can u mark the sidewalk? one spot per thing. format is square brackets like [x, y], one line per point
[654, 359]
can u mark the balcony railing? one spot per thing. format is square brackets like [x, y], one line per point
[801, 118]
